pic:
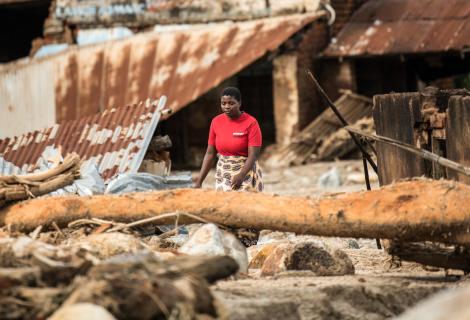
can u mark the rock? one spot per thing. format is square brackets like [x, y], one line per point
[106, 245]
[268, 236]
[330, 179]
[359, 178]
[81, 311]
[448, 304]
[175, 241]
[258, 254]
[210, 240]
[307, 256]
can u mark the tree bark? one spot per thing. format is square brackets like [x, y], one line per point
[415, 210]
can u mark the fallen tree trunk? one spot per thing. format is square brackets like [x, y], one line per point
[415, 210]
[433, 254]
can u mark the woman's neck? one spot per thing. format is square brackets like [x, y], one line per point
[235, 117]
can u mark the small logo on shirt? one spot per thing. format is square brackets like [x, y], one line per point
[239, 134]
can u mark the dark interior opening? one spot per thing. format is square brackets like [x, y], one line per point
[20, 23]
[384, 75]
[407, 73]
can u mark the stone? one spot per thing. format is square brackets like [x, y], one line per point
[448, 304]
[210, 240]
[330, 179]
[81, 311]
[307, 256]
[105, 245]
[268, 236]
[258, 254]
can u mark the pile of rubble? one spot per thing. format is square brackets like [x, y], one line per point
[324, 139]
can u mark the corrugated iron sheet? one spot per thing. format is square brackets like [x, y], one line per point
[27, 98]
[183, 63]
[115, 141]
[405, 26]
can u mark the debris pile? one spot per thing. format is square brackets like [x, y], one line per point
[157, 159]
[37, 278]
[123, 257]
[339, 144]
[17, 187]
[319, 140]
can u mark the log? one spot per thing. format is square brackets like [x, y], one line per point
[433, 254]
[14, 188]
[69, 162]
[414, 210]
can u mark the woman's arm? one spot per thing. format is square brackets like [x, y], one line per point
[253, 153]
[206, 165]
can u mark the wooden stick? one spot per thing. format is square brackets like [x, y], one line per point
[420, 152]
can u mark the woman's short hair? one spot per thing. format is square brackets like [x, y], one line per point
[232, 92]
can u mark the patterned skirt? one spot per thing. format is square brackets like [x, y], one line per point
[230, 166]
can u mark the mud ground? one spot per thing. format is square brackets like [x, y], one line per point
[380, 288]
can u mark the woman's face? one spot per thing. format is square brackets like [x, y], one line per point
[230, 106]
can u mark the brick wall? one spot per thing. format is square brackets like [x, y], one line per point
[344, 10]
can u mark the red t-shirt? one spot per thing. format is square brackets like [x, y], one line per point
[232, 137]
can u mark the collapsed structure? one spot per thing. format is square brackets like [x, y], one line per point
[423, 218]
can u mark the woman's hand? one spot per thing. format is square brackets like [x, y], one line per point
[206, 166]
[197, 184]
[237, 181]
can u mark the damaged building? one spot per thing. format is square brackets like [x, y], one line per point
[93, 57]
[262, 50]
[401, 45]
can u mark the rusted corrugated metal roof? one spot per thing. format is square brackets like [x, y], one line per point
[405, 26]
[184, 62]
[115, 141]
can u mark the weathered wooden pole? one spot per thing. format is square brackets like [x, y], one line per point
[419, 152]
[415, 210]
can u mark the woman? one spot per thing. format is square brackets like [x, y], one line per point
[236, 137]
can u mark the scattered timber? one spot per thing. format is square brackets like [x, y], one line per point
[305, 144]
[433, 254]
[360, 145]
[415, 210]
[15, 188]
[339, 143]
[36, 279]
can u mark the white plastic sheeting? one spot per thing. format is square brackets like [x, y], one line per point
[142, 181]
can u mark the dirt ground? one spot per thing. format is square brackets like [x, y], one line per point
[379, 289]
[302, 180]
